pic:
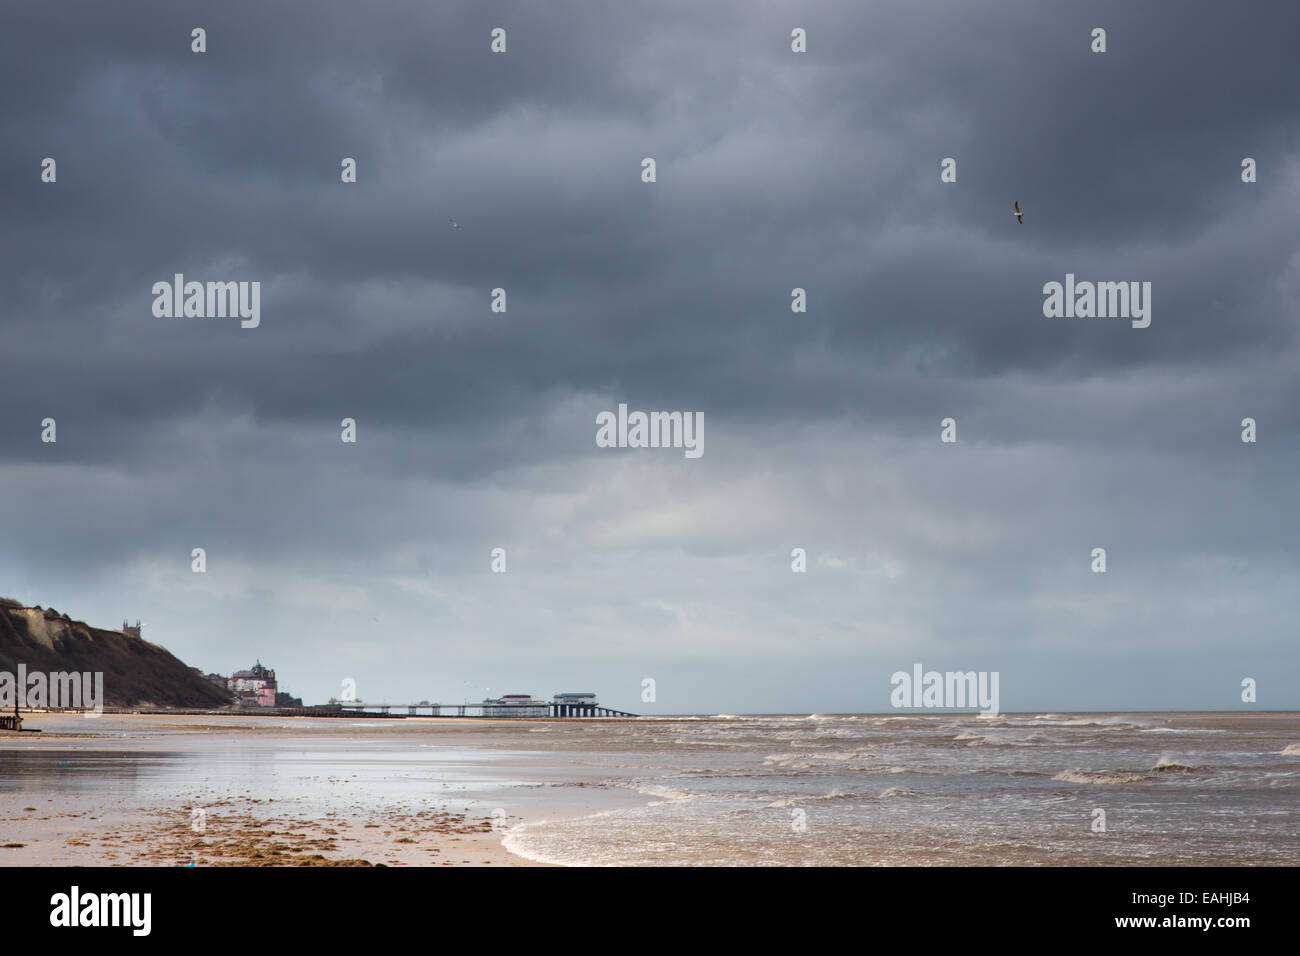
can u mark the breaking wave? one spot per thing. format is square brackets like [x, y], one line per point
[894, 792]
[1087, 776]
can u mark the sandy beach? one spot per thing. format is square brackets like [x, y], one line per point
[244, 833]
[55, 816]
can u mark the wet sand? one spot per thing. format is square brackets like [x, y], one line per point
[240, 833]
[150, 790]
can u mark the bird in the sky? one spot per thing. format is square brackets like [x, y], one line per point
[454, 223]
[1019, 218]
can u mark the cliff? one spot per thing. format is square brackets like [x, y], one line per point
[136, 673]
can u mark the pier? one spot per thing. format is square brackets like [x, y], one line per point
[489, 710]
[581, 704]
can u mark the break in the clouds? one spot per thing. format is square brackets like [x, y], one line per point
[475, 428]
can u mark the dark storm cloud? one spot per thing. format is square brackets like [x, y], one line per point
[819, 171]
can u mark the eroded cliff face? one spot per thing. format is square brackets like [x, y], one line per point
[135, 672]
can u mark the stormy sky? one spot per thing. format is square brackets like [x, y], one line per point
[476, 429]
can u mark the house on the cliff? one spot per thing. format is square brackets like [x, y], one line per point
[255, 686]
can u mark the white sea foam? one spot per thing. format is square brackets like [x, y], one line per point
[1107, 723]
[795, 801]
[1086, 776]
[522, 839]
[894, 792]
[805, 761]
[660, 793]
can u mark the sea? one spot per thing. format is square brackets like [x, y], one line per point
[1038, 789]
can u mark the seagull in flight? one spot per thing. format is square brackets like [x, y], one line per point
[1019, 216]
[454, 223]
